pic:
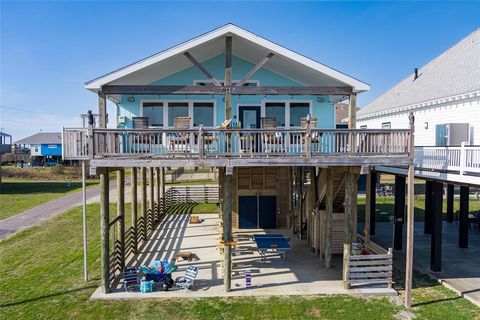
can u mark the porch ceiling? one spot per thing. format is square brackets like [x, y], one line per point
[246, 45]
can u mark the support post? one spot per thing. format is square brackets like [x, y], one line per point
[373, 202]
[84, 222]
[162, 190]
[428, 207]
[151, 204]
[227, 229]
[463, 218]
[157, 194]
[368, 204]
[399, 212]
[328, 218]
[105, 227]
[102, 121]
[143, 195]
[410, 217]
[133, 186]
[436, 244]
[350, 201]
[121, 214]
[228, 76]
[450, 195]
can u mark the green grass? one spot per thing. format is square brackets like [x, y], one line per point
[194, 208]
[385, 207]
[16, 197]
[42, 278]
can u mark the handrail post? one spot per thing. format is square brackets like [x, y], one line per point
[308, 141]
[463, 158]
[201, 151]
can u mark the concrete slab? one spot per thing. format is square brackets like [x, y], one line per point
[300, 274]
[460, 266]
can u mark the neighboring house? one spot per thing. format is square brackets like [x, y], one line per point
[45, 148]
[444, 96]
[170, 110]
[5, 143]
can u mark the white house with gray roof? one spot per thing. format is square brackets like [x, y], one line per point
[444, 96]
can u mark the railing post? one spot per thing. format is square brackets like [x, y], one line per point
[308, 141]
[463, 158]
[200, 142]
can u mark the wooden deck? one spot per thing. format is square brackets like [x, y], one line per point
[236, 147]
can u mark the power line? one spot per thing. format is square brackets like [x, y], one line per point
[41, 122]
[34, 111]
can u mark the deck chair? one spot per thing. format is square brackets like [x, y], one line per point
[130, 279]
[180, 139]
[272, 141]
[187, 281]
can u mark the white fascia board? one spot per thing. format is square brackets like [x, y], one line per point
[357, 85]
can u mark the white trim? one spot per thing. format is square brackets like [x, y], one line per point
[419, 105]
[196, 81]
[190, 103]
[357, 85]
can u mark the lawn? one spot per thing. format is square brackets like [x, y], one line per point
[16, 197]
[42, 279]
[385, 208]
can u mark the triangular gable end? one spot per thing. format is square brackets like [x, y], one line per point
[246, 45]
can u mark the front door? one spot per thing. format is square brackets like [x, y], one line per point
[257, 212]
[249, 117]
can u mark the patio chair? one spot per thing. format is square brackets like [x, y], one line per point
[187, 281]
[180, 139]
[272, 141]
[130, 279]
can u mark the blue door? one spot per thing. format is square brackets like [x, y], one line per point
[247, 212]
[267, 212]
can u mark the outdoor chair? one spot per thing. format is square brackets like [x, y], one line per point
[130, 279]
[187, 281]
[272, 141]
[180, 140]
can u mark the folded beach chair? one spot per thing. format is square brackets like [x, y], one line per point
[187, 281]
[130, 279]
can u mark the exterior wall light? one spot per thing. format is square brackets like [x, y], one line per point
[425, 125]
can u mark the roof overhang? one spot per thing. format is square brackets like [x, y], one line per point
[246, 45]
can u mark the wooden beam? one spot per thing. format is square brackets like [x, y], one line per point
[213, 90]
[410, 217]
[105, 229]
[352, 111]
[450, 195]
[437, 220]
[255, 69]
[202, 68]
[133, 186]
[143, 195]
[328, 219]
[463, 218]
[399, 212]
[102, 110]
[227, 230]
[228, 76]
[121, 213]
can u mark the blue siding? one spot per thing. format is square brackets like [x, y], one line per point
[51, 149]
[324, 111]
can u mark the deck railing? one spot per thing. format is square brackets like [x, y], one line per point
[464, 159]
[202, 143]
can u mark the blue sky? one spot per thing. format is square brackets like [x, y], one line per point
[49, 49]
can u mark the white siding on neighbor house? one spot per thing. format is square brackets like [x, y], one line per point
[36, 150]
[460, 111]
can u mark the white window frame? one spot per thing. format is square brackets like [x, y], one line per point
[287, 108]
[190, 103]
[389, 124]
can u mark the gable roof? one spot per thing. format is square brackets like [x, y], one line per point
[454, 72]
[246, 45]
[42, 138]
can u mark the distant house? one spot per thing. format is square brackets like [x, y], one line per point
[444, 96]
[5, 143]
[45, 147]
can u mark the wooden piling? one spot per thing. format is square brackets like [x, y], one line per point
[410, 217]
[105, 229]
[143, 195]
[328, 218]
[133, 186]
[227, 230]
[121, 214]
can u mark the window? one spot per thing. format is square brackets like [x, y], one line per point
[203, 114]
[154, 112]
[363, 127]
[276, 110]
[52, 146]
[176, 109]
[298, 110]
[387, 125]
